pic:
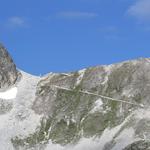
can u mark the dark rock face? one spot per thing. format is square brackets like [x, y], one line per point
[139, 145]
[8, 71]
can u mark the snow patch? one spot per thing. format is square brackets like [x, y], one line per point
[97, 106]
[81, 74]
[9, 94]
[108, 71]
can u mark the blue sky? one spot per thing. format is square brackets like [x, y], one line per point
[67, 35]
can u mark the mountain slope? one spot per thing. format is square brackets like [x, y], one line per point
[98, 108]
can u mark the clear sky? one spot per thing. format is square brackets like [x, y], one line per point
[67, 35]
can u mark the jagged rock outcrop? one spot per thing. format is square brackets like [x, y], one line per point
[8, 71]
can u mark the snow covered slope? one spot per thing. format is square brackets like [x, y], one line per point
[19, 120]
[98, 108]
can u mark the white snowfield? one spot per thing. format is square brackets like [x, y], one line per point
[9, 94]
[20, 120]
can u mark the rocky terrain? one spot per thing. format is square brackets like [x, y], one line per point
[98, 108]
[8, 71]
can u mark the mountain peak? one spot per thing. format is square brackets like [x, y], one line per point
[8, 71]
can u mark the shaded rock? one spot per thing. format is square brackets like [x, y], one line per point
[139, 145]
[8, 71]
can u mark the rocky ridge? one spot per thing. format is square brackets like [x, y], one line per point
[98, 108]
[8, 71]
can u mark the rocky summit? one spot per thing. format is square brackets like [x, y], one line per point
[8, 71]
[98, 108]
